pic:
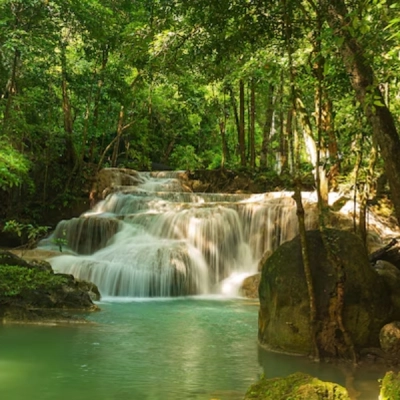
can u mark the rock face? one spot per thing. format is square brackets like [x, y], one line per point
[297, 386]
[31, 292]
[284, 304]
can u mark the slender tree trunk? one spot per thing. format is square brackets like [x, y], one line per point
[236, 117]
[269, 115]
[96, 102]
[252, 125]
[67, 112]
[283, 142]
[368, 94]
[118, 137]
[242, 140]
[365, 195]
[11, 88]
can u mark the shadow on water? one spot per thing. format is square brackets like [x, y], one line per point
[362, 381]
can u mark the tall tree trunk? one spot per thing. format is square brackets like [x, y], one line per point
[11, 88]
[236, 116]
[283, 142]
[242, 141]
[70, 154]
[96, 102]
[311, 147]
[365, 195]
[118, 137]
[269, 115]
[368, 94]
[252, 127]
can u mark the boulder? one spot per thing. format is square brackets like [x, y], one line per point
[391, 276]
[297, 386]
[32, 292]
[389, 338]
[249, 286]
[284, 303]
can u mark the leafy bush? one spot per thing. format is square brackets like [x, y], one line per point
[27, 232]
[14, 167]
[16, 280]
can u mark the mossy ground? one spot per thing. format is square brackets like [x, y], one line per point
[16, 281]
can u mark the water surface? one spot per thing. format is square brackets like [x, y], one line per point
[161, 349]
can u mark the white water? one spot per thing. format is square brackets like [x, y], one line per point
[153, 238]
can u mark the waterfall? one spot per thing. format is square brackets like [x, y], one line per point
[151, 237]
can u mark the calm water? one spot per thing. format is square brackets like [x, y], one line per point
[149, 350]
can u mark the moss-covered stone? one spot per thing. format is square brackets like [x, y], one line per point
[390, 387]
[32, 292]
[297, 386]
[284, 304]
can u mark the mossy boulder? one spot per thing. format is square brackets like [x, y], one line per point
[31, 292]
[390, 387]
[284, 303]
[297, 386]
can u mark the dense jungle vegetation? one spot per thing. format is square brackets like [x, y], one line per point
[272, 87]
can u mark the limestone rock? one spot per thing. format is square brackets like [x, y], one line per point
[284, 304]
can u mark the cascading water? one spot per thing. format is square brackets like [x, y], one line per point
[153, 238]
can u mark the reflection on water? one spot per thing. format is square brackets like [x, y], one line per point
[150, 350]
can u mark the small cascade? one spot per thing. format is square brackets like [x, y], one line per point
[150, 237]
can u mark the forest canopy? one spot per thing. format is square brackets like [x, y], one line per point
[274, 87]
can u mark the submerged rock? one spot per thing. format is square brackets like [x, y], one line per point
[284, 304]
[31, 292]
[297, 386]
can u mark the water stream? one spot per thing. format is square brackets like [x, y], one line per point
[172, 327]
[153, 239]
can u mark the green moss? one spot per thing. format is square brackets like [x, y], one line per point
[16, 280]
[390, 387]
[297, 386]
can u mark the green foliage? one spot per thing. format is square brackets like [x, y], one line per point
[61, 241]
[390, 386]
[174, 68]
[28, 232]
[185, 158]
[16, 281]
[297, 386]
[14, 167]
